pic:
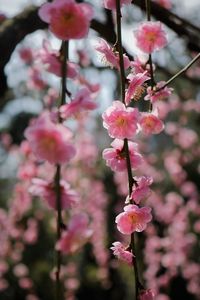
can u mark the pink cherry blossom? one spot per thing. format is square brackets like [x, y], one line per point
[82, 101]
[138, 65]
[76, 236]
[111, 57]
[46, 190]
[25, 148]
[133, 219]
[20, 270]
[93, 87]
[51, 97]
[146, 295]
[27, 171]
[51, 60]
[50, 141]
[25, 283]
[121, 121]
[150, 36]
[161, 94]
[111, 4]
[141, 188]
[83, 58]
[35, 81]
[122, 253]
[67, 19]
[135, 88]
[186, 138]
[30, 235]
[150, 123]
[116, 159]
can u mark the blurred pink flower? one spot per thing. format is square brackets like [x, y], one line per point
[25, 283]
[110, 56]
[93, 87]
[162, 94]
[46, 190]
[50, 141]
[27, 171]
[141, 190]
[122, 253]
[139, 66]
[35, 80]
[133, 219]
[82, 101]
[186, 138]
[20, 270]
[135, 87]
[150, 123]
[76, 236]
[66, 18]
[30, 235]
[111, 4]
[120, 121]
[25, 148]
[150, 36]
[51, 97]
[83, 57]
[51, 60]
[116, 159]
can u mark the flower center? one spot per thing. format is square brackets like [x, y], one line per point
[48, 143]
[149, 122]
[120, 121]
[120, 154]
[133, 219]
[151, 36]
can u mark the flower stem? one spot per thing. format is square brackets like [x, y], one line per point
[152, 81]
[180, 72]
[57, 178]
[64, 58]
[120, 50]
[58, 235]
[126, 148]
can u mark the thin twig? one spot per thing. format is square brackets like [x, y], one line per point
[183, 70]
[152, 80]
[58, 235]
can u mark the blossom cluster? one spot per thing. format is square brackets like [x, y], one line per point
[125, 122]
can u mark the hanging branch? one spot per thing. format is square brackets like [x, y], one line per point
[131, 181]
[64, 58]
[152, 80]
